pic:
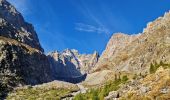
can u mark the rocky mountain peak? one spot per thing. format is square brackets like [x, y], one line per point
[70, 63]
[54, 54]
[117, 42]
[70, 52]
[14, 26]
[9, 7]
[158, 23]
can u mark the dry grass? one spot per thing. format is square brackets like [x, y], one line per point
[9, 41]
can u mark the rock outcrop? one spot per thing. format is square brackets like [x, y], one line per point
[116, 44]
[12, 25]
[71, 66]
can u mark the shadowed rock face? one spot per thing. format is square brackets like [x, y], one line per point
[23, 61]
[71, 66]
[12, 25]
[21, 64]
[21, 57]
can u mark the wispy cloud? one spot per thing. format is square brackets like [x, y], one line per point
[103, 17]
[91, 28]
[21, 5]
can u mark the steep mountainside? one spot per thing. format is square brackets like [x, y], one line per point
[69, 64]
[138, 51]
[21, 57]
[116, 44]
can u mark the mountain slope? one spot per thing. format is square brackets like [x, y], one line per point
[148, 47]
[153, 87]
[142, 61]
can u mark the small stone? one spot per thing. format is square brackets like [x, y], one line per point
[113, 94]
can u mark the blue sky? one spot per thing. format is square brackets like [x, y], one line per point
[87, 25]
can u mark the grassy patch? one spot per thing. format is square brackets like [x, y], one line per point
[100, 93]
[36, 93]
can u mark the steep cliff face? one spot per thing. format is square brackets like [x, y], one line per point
[12, 25]
[141, 50]
[21, 64]
[116, 44]
[23, 61]
[21, 57]
[70, 64]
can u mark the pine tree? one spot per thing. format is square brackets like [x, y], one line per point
[152, 68]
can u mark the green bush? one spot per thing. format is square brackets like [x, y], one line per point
[135, 76]
[124, 79]
[152, 68]
[155, 66]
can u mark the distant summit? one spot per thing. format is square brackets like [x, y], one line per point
[69, 64]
